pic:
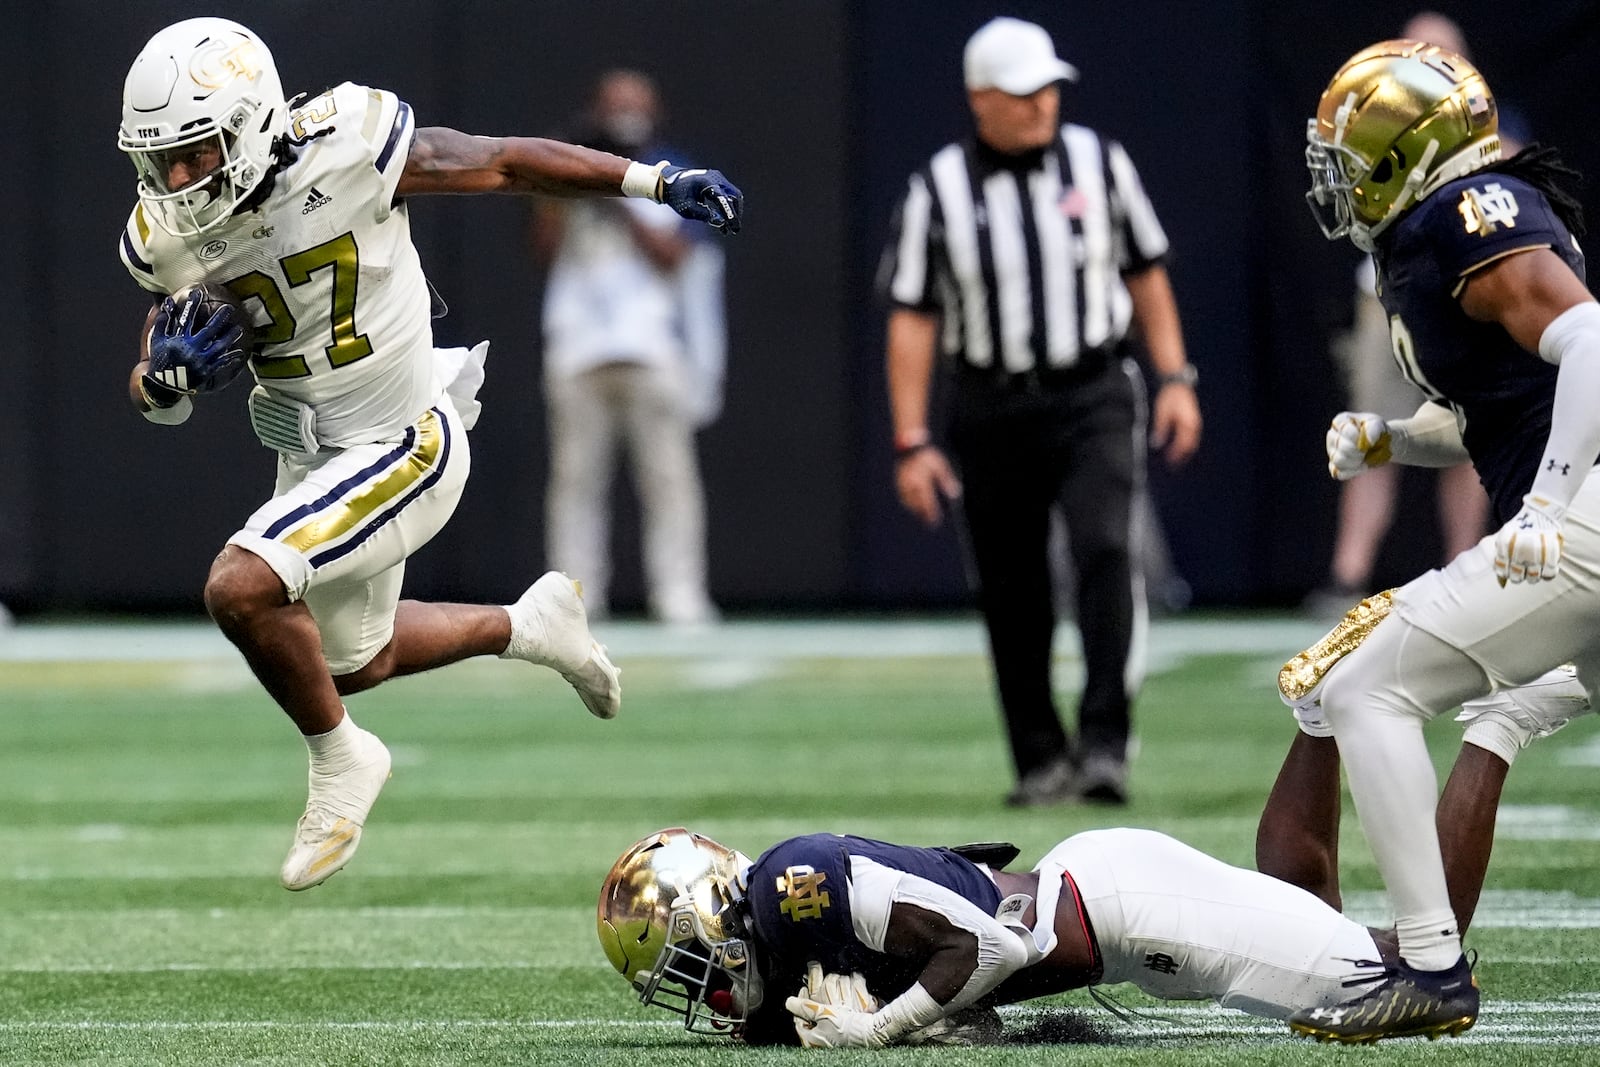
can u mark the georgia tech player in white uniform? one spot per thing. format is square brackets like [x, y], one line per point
[301, 214]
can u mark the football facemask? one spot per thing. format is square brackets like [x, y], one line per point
[669, 921]
[201, 87]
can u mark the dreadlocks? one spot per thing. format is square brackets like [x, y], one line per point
[1541, 167]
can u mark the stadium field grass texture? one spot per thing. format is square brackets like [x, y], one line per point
[148, 792]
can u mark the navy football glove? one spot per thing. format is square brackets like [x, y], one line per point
[188, 355]
[703, 195]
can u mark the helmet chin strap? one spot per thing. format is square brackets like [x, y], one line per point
[1341, 118]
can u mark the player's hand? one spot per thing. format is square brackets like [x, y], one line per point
[826, 1026]
[1356, 441]
[839, 990]
[188, 356]
[850, 992]
[1528, 548]
[924, 479]
[702, 195]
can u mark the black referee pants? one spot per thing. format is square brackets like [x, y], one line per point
[1025, 448]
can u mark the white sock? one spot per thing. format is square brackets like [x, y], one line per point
[527, 635]
[1494, 734]
[336, 750]
[1429, 943]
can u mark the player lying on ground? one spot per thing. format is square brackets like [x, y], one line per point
[912, 939]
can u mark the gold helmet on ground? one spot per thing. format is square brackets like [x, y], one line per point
[1397, 121]
[669, 921]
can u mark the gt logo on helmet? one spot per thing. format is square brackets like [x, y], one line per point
[218, 62]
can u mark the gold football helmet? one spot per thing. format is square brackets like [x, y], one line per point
[1397, 121]
[669, 921]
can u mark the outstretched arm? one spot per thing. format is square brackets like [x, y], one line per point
[443, 160]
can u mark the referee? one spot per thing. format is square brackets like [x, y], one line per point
[1030, 255]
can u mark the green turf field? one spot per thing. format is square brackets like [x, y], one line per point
[148, 792]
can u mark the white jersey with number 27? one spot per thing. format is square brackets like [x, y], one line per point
[326, 267]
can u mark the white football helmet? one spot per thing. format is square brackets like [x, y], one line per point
[203, 89]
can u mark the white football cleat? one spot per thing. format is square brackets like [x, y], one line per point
[326, 837]
[549, 627]
[1537, 709]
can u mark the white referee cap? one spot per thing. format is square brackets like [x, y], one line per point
[1015, 57]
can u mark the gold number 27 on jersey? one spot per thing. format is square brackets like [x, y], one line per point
[339, 256]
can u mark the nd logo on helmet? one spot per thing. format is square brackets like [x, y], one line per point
[219, 62]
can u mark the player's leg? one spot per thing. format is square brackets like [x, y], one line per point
[1006, 504]
[1180, 924]
[276, 635]
[584, 434]
[1455, 633]
[1102, 454]
[1297, 839]
[672, 501]
[430, 635]
[547, 626]
[1378, 700]
[336, 520]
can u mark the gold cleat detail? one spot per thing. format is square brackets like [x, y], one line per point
[1305, 672]
[1452, 1028]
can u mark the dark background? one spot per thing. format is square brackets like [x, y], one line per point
[818, 109]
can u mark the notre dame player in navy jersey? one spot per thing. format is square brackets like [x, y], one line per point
[1503, 393]
[831, 940]
[1489, 315]
[799, 903]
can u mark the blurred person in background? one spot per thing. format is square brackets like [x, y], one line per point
[304, 212]
[634, 352]
[1030, 256]
[1373, 382]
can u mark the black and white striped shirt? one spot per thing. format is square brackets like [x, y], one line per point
[1025, 258]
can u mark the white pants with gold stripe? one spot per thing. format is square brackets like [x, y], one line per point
[340, 527]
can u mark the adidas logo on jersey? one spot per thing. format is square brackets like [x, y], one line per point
[314, 200]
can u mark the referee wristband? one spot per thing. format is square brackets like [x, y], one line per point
[909, 444]
[1184, 375]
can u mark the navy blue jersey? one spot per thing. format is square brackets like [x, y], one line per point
[1501, 392]
[798, 904]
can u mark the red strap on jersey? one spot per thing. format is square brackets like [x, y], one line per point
[1097, 970]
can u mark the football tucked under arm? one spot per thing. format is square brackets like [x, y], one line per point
[196, 340]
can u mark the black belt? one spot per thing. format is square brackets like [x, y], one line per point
[1091, 363]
